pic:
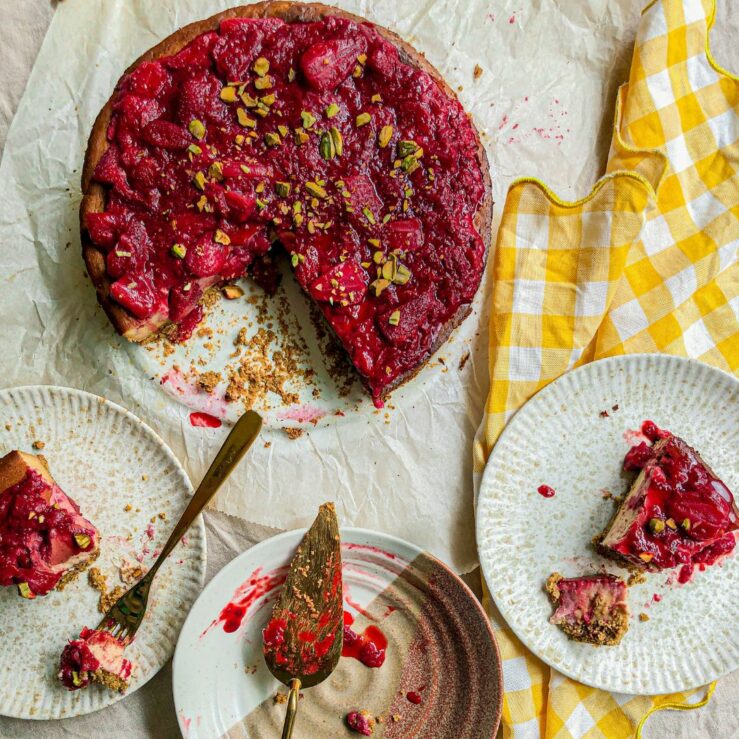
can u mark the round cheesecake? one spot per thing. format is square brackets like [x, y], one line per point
[293, 127]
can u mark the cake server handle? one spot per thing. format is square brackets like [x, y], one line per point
[292, 708]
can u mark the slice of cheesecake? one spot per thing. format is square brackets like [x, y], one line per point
[591, 608]
[45, 542]
[677, 512]
[97, 656]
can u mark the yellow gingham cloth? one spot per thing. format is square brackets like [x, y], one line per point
[646, 263]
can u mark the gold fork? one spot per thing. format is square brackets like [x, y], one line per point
[126, 615]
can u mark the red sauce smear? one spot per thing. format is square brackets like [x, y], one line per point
[205, 420]
[414, 697]
[368, 647]
[545, 491]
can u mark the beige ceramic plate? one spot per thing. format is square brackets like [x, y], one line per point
[559, 439]
[99, 453]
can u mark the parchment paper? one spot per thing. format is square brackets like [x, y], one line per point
[543, 104]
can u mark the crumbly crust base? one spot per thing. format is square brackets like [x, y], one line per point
[94, 193]
[607, 627]
[110, 681]
[74, 572]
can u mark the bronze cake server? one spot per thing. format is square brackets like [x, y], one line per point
[303, 639]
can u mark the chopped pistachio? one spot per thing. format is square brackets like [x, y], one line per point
[378, 257]
[25, 590]
[221, 238]
[76, 679]
[199, 180]
[261, 66]
[685, 525]
[332, 109]
[228, 94]
[369, 215]
[338, 140]
[316, 190]
[284, 131]
[671, 523]
[402, 275]
[379, 285]
[389, 269]
[301, 136]
[232, 292]
[202, 203]
[374, 242]
[386, 218]
[326, 146]
[248, 100]
[407, 147]
[656, 525]
[646, 557]
[272, 139]
[244, 119]
[394, 318]
[291, 75]
[260, 187]
[267, 100]
[195, 150]
[178, 250]
[215, 171]
[357, 71]
[239, 139]
[383, 138]
[298, 219]
[263, 83]
[376, 98]
[282, 189]
[308, 119]
[261, 110]
[409, 164]
[196, 128]
[362, 59]
[363, 119]
[83, 540]
[295, 260]
[261, 204]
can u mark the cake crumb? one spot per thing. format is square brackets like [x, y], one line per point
[38, 444]
[100, 583]
[144, 477]
[643, 617]
[280, 698]
[128, 507]
[477, 71]
[463, 361]
[614, 407]
[267, 444]
[209, 380]
[130, 573]
[292, 433]
[604, 414]
[636, 577]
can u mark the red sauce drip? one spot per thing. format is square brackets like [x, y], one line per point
[232, 616]
[656, 597]
[368, 647]
[205, 420]
[414, 697]
[545, 491]
[685, 574]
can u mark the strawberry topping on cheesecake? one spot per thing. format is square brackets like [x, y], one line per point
[677, 512]
[591, 608]
[44, 539]
[324, 138]
[97, 656]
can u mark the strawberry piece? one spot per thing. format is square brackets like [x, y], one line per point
[328, 63]
[205, 258]
[255, 170]
[199, 98]
[166, 135]
[637, 456]
[149, 80]
[104, 228]
[190, 226]
[344, 284]
[138, 112]
[363, 195]
[129, 254]
[415, 314]
[383, 58]
[707, 511]
[406, 234]
[241, 206]
[196, 55]
[182, 301]
[243, 236]
[236, 50]
[110, 171]
[137, 294]
[145, 173]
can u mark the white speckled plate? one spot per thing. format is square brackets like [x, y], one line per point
[439, 643]
[104, 458]
[559, 439]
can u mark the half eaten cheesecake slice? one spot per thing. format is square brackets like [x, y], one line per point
[97, 656]
[677, 512]
[45, 542]
[591, 608]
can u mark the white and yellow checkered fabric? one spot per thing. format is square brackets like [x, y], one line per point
[646, 263]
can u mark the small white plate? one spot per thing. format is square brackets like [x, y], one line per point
[106, 459]
[439, 643]
[559, 439]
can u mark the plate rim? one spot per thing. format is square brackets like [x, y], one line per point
[521, 634]
[346, 533]
[202, 556]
